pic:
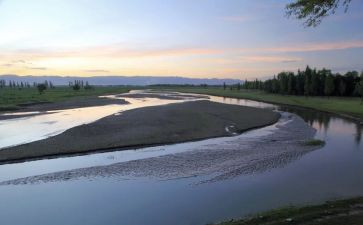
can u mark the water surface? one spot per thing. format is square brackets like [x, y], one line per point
[334, 171]
[39, 126]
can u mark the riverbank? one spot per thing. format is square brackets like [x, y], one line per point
[348, 212]
[212, 160]
[21, 99]
[147, 126]
[343, 106]
[46, 108]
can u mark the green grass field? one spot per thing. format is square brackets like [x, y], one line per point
[10, 98]
[348, 106]
[349, 212]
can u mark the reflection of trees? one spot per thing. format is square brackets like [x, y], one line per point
[358, 134]
[311, 116]
[322, 119]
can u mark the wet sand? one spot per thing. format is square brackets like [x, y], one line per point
[148, 126]
[231, 157]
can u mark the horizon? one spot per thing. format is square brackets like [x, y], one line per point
[153, 38]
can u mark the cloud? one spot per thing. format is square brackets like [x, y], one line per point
[97, 71]
[19, 61]
[119, 51]
[312, 47]
[7, 64]
[37, 68]
[122, 51]
[271, 59]
[114, 50]
[178, 60]
[290, 61]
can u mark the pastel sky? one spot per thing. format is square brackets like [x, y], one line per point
[192, 38]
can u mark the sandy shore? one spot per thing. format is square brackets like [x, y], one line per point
[229, 158]
[146, 127]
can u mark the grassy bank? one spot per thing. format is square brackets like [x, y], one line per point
[347, 212]
[11, 98]
[347, 106]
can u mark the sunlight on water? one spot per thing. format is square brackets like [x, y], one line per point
[37, 127]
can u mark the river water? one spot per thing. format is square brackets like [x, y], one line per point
[334, 171]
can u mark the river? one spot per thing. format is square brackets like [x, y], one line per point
[334, 171]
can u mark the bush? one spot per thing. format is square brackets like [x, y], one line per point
[41, 88]
[314, 142]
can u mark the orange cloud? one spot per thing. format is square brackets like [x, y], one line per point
[120, 59]
[311, 47]
[271, 59]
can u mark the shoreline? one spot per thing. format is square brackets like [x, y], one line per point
[120, 148]
[181, 122]
[221, 159]
[44, 108]
[343, 115]
[334, 212]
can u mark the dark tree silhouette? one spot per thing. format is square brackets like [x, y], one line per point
[329, 85]
[41, 88]
[359, 88]
[313, 11]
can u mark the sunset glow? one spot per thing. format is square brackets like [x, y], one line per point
[182, 38]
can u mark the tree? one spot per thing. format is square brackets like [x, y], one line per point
[329, 85]
[88, 86]
[283, 81]
[300, 83]
[314, 88]
[224, 86]
[51, 85]
[76, 87]
[275, 85]
[342, 87]
[313, 11]
[291, 84]
[350, 78]
[307, 83]
[322, 76]
[359, 88]
[41, 88]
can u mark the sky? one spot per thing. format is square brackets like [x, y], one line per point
[241, 39]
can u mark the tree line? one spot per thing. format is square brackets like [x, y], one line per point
[311, 82]
[21, 84]
[76, 85]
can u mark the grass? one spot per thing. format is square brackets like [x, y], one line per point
[314, 142]
[347, 106]
[348, 212]
[11, 98]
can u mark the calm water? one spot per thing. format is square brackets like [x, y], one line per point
[43, 125]
[334, 171]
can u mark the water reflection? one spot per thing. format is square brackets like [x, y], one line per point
[222, 158]
[319, 120]
[358, 135]
[335, 171]
[43, 125]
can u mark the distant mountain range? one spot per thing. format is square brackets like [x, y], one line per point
[120, 80]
